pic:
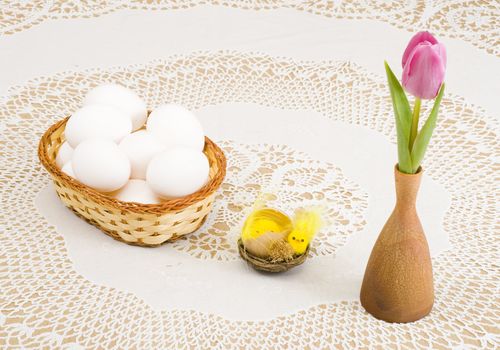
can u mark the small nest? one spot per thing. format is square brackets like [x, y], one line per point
[268, 265]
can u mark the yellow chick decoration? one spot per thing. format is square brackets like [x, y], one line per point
[305, 226]
[262, 228]
[270, 234]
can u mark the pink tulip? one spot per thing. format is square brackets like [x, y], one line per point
[418, 38]
[424, 66]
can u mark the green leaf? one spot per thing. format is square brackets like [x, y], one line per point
[424, 136]
[402, 112]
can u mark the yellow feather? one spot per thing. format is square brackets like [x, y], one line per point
[306, 224]
[264, 226]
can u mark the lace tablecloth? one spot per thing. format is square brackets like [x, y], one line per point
[294, 93]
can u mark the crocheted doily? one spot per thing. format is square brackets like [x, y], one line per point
[253, 170]
[44, 302]
[473, 21]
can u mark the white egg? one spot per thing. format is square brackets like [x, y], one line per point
[137, 191]
[64, 154]
[176, 126]
[140, 147]
[100, 164]
[178, 172]
[120, 97]
[68, 169]
[97, 121]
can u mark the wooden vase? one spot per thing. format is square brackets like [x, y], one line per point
[398, 286]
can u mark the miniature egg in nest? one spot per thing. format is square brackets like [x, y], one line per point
[140, 147]
[64, 154]
[178, 172]
[122, 98]
[100, 164]
[97, 121]
[176, 126]
[137, 191]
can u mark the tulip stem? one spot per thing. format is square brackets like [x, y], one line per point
[414, 122]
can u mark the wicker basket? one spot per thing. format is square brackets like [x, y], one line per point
[268, 266]
[133, 223]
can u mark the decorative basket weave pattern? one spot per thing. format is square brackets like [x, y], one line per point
[268, 266]
[133, 223]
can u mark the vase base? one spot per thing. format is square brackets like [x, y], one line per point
[396, 316]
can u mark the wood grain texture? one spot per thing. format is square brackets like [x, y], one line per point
[398, 283]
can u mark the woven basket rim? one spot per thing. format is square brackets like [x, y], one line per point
[268, 266]
[168, 205]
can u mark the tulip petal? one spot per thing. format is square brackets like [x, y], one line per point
[441, 49]
[424, 71]
[418, 38]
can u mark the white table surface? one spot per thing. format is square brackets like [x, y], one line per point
[294, 92]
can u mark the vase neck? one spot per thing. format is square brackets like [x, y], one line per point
[407, 186]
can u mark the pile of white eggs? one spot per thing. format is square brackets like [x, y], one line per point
[112, 146]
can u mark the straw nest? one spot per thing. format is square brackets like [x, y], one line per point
[268, 265]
